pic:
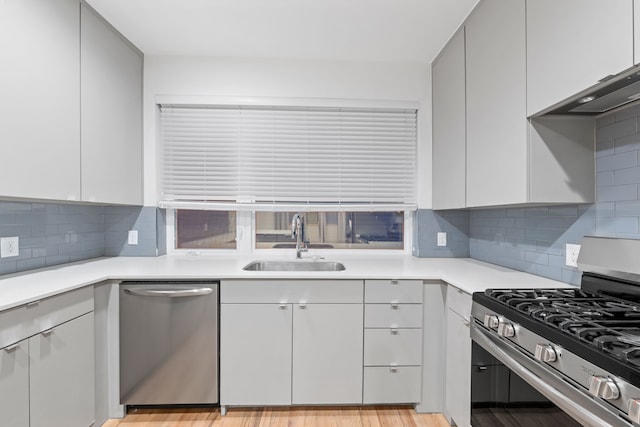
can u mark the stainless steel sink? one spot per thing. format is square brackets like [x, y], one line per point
[301, 265]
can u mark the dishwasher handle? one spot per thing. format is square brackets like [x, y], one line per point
[169, 293]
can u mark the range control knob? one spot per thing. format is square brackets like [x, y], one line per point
[506, 330]
[491, 321]
[545, 353]
[634, 410]
[603, 387]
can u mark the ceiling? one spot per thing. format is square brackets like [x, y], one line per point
[358, 30]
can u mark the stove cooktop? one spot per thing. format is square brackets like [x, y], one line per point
[602, 329]
[611, 325]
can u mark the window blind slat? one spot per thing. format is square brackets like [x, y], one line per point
[288, 154]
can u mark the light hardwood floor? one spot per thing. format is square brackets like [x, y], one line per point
[378, 416]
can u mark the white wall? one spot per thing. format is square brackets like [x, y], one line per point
[233, 77]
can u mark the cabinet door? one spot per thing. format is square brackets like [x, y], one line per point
[40, 108]
[636, 31]
[255, 354]
[14, 385]
[62, 375]
[449, 139]
[327, 354]
[111, 99]
[458, 371]
[572, 44]
[496, 104]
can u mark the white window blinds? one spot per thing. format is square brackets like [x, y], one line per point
[288, 155]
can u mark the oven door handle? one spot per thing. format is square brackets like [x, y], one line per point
[571, 400]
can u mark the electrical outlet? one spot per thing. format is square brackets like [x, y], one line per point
[572, 252]
[133, 237]
[442, 238]
[9, 246]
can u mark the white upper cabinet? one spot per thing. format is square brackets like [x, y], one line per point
[449, 139]
[636, 31]
[40, 92]
[111, 102]
[496, 104]
[572, 44]
[504, 158]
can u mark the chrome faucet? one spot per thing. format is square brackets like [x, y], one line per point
[297, 232]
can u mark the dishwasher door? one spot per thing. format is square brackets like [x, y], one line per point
[168, 343]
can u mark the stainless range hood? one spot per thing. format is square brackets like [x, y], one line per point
[612, 92]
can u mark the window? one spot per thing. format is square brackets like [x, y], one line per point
[332, 230]
[352, 171]
[200, 229]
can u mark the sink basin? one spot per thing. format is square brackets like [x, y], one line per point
[301, 265]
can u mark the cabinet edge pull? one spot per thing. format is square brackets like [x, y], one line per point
[282, 305]
[395, 305]
[33, 303]
[12, 347]
[47, 332]
[302, 305]
[393, 367]
[394, 281]
[393, 330]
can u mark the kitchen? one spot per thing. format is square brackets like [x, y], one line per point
[526, 232]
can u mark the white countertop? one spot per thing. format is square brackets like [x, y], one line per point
[466, 274]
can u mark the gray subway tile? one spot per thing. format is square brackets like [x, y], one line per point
[627, 176]
[605, 148]
[626, 113]
[617, 129]
[617, 225]
[605, 179]
[617, 193]
[627, 143]
[617, 161]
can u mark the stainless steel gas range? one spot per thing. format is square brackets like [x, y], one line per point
[562, 357]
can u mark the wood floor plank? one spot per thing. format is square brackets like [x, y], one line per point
[368, 416]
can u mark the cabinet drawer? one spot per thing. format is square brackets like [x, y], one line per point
[13, 326]
[392, 384]
[402, 291]
[291, 291]
[30, 319]
[383, 347]
[459, 301]
[49, 312]
[393, 316]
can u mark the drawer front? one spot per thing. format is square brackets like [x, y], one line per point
[459, 301]
[291, 291]
[392, 385]
[384, 347]
[401, 291]
[393, 316]
[52, 311]
[14, 326]
[22, 322]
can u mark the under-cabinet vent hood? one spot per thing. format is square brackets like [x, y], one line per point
[612, 92]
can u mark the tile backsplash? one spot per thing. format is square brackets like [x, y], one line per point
[57, 233]
[533, 239]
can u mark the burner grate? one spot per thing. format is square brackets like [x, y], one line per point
[611, 325]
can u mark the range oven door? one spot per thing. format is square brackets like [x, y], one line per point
[510, 388]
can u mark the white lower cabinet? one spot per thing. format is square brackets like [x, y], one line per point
[61, 375]
[14, 384]
[393, 341]
[457, 404]
[327, 354]
[47, 379]
[255, 354]
[290, 342]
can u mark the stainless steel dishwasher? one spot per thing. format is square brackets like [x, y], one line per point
[168, 343]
